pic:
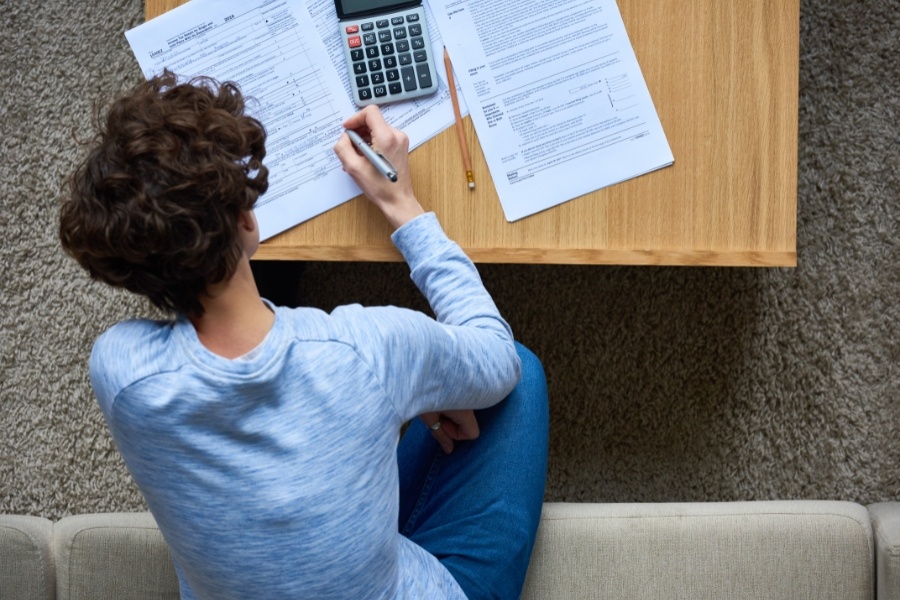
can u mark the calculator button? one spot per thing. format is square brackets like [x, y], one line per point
[354, 42]
[372, 52]
[359, 68]
[380, 91]
[369, 39]
[365, 94]
[395, 88]
[396, 20]
[405, 59]
[377, 78]
[374, 65]
[384, 36]
[415, 30]
[387, 49]
[356, 54]
[412, 18]
[420, 56]
[362, 80]
[403, 46]
[367, 27]
[417, 43]
[409, 78]
[381, 23]
[393, 75]
[424, 76]
[400, 33]
[390, 62]
[352, 29]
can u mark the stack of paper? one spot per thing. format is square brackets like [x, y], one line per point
[287, 55]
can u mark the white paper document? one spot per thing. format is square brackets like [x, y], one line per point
[288, 63]
[556, 95]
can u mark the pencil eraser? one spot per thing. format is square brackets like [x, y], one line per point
[471, 185]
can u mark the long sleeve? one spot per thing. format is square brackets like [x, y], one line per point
[465, 358]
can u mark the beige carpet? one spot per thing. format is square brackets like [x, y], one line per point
[666, 383]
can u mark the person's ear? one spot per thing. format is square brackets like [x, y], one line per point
[247, 221]
[248, 232]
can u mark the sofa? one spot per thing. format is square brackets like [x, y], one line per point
[816, 550]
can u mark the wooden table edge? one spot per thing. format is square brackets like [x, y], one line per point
[739, 258]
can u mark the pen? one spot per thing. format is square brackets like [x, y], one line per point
[464, 148]
[380, 162]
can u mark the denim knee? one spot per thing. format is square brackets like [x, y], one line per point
[526, 355]
[533, 383]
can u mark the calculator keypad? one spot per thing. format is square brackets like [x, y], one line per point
[390, 57]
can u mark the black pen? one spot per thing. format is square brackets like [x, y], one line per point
[380, 162]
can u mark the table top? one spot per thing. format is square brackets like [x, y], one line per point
[724, 79]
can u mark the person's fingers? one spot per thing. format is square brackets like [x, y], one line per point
[369, 123]
[468, 430]
[352, 161]
[437, 425]
[443, 438]
[466, 424]
[445, 441]
[369, 118]
[343, 148]
[450, 428]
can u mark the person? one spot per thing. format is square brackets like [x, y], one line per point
[264, 439]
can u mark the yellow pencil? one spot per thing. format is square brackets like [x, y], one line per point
[464, 148]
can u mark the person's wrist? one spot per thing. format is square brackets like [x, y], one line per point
[399, 215]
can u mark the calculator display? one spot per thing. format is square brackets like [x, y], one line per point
[358, 8]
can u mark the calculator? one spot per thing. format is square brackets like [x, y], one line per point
[388, 52]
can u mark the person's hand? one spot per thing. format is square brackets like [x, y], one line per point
[395, 199]
[455, 425]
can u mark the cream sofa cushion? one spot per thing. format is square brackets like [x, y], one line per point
[115, 556]
[703, 551]
[27, 570]
[886, 524]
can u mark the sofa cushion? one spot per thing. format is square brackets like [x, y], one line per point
[117, 556]
[775, 550]
[886, 525]
[26, 557]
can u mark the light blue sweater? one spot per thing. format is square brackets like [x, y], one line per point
[274, 476]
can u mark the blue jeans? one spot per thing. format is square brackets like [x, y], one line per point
[477, 509]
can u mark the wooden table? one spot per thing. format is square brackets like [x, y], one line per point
[723, 75]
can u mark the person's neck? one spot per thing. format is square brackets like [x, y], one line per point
[235, 319]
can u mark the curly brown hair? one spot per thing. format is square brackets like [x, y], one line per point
[154, 207]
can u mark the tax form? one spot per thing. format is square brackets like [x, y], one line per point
[263, 47]
[285, 61]
[556, 94]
